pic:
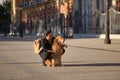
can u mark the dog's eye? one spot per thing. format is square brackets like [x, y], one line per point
[62, 41]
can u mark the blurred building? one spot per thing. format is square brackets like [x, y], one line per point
[116, 4]
[65, 17]
[2, 2]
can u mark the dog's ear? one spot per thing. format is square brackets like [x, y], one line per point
[56, 40]
[62, 40]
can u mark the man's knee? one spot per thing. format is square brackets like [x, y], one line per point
[43, 55]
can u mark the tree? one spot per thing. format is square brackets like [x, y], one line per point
[7, 11]
[5, 15]
[1, 16]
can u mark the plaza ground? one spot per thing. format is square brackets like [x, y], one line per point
[84, 59]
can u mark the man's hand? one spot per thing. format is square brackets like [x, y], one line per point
[65, 45]
[50, 51]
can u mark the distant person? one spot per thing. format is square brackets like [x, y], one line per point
[21, 29]
[14, 31]
[5, 30]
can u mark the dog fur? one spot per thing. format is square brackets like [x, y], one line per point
[58, 49]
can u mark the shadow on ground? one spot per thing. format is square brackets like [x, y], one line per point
[68, 64]
[92, 64]
[94, 48]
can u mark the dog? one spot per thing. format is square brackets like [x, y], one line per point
[58, 49]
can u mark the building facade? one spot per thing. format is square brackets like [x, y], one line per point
[37, 15]
[66, 17]
[86, 15]
[90, 16]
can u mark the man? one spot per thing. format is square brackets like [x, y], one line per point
[46, 43]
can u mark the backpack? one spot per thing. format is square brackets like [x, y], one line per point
[37, 46]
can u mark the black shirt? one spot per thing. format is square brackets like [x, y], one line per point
[46, 44]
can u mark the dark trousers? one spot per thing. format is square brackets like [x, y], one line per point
[45, 55]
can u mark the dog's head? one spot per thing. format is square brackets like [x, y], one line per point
[59, 40]
[58, 43]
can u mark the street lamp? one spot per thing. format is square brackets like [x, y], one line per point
[107, 31]
[60, 17]
[20, 22]
[45, 15]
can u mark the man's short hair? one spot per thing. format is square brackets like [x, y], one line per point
[47, 31]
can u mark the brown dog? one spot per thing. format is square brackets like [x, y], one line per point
[58, 49]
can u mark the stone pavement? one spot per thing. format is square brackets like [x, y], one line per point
[85, 59]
